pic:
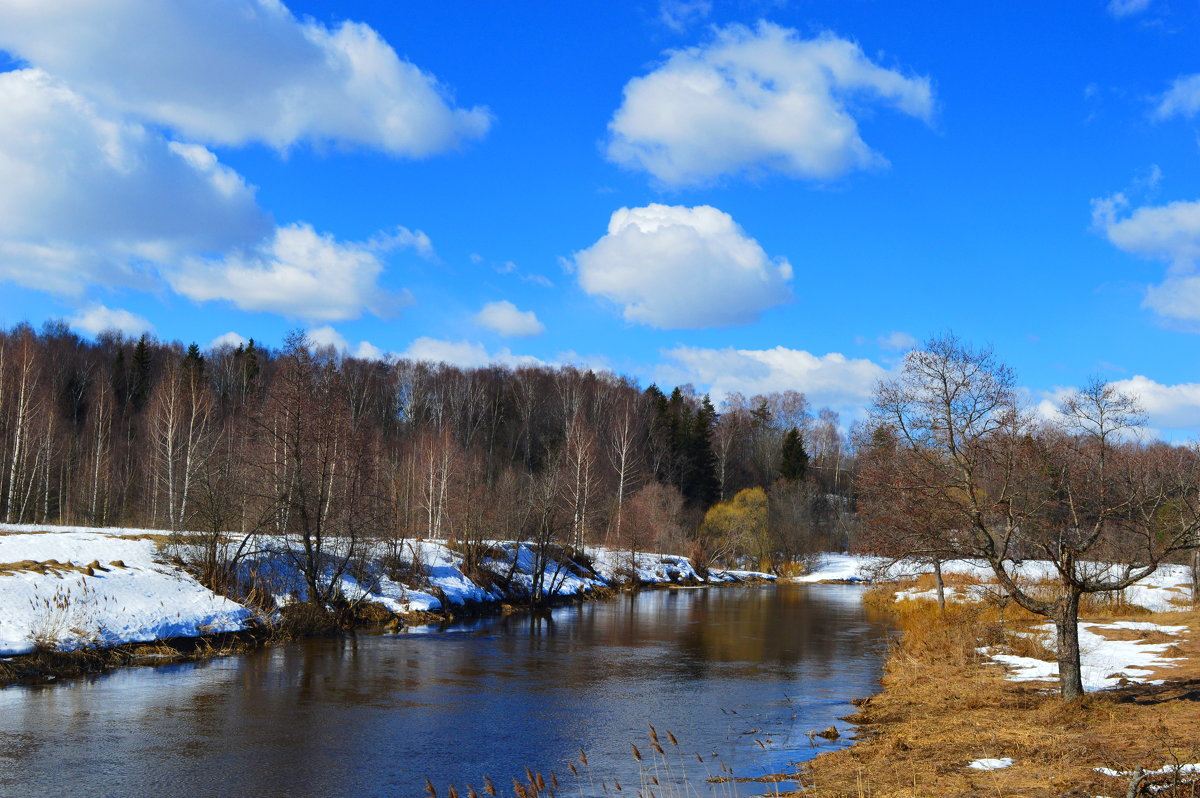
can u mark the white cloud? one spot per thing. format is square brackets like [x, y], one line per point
[321, 337]
[88, 198]
[1175, 407]
[1172, 411]
[1127, 8]
[831, 379]
[674, 267]
[1177, 297]
[298, 273]
[761, 100]
[464, 354]
[504, 318]
[327, 336]
[1169, 233]
[368, 351]
[230, 339]
[678, 15]
[897, 341]
[403, 238]
[238, 71]
[1182, 99]
[98, 318]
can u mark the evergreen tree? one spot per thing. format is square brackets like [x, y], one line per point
[193, 364]
[702, 486]
[794, 459]
[139, 389]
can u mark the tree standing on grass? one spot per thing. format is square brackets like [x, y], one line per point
[956, 467]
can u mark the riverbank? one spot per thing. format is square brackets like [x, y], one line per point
[969, 705]
[80, 600]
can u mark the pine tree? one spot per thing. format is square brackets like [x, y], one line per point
[794, 460]
[139, 391]
[702, 486]
[193, 364]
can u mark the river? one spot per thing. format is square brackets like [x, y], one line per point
[739, 675]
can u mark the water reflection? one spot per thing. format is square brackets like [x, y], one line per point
[375, 715]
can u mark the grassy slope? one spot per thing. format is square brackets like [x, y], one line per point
[943, 706]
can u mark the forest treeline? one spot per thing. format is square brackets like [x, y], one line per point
[318, 446]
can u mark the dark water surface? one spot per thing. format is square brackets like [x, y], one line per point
[739, 675]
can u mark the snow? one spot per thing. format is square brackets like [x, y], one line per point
[1104, 663]
[1166, 770]
[841, 568]
[617, 567]
[991, 764]
[150, 599]
[143, 601]
[1167, 589]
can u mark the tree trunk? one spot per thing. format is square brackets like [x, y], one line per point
[1066, 622]
[941, 585]
[1196, 576]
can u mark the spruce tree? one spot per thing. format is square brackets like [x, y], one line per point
[794, 460]
[139, 390]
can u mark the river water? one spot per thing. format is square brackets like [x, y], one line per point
[739, 676]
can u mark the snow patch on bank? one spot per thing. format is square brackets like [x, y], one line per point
[1167, 589]
[1104, 663]
[139, 601]
[47, 598]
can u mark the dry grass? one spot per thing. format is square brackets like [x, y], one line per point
[942, 707]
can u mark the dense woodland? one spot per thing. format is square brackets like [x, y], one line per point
[309, 443]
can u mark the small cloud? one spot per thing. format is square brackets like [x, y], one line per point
[674, 267]
[679, 15]
[831, 379]
[1182, 99]
[1127, 8]
[476, 258]
[504, 318]
[509, 267]
[322, 337]
[368, 351]
[537, 279]
[98, 318]
[464, 354]
[403, 238]
[327, 336]
[299, 273]
[1169, 233]
[758, 100]
[897, 341]
[229, 339]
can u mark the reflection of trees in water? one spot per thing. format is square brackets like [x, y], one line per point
[774, 627]
[336, 716]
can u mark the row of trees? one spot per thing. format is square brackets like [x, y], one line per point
[330, 450]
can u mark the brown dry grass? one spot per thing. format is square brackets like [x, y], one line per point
[943, 707]
[56, 568]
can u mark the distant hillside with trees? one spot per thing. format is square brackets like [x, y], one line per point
[308, 442]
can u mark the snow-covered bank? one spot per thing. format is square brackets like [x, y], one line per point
[68, 587]
[1167, 589]
[48, 596]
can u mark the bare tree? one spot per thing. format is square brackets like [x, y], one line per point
[960, 469]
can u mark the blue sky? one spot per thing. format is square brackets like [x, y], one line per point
[746, 195]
